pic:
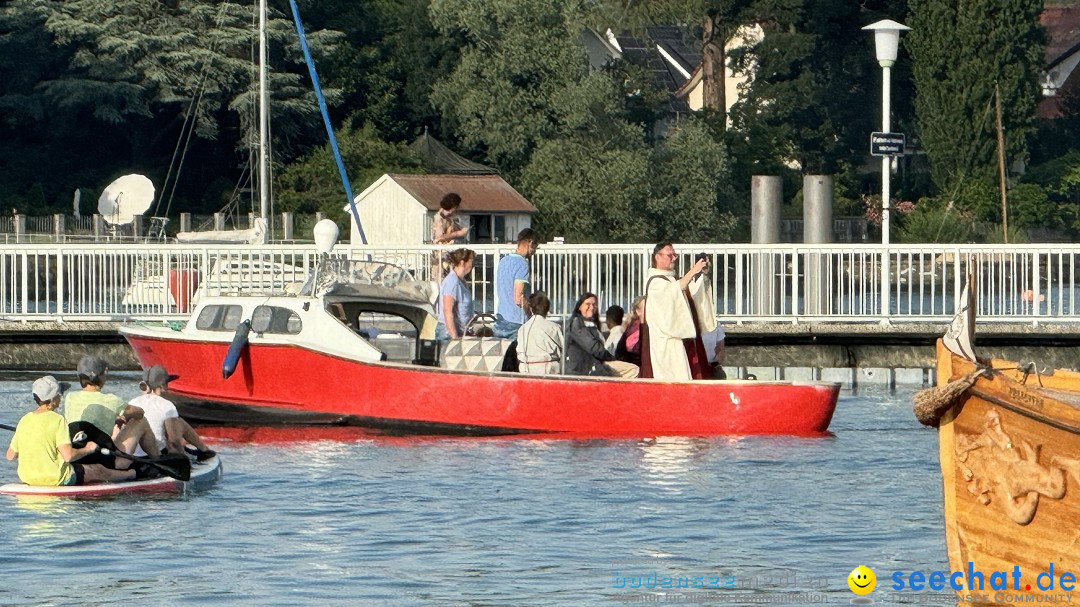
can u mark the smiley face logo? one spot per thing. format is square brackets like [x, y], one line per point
[862, 580]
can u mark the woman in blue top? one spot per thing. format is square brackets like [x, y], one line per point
[455, 306]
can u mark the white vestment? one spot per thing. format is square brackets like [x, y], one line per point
[667, 314]
[540, 346]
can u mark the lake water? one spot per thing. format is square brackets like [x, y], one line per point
[352, 519]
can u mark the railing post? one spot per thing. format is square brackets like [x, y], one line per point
[60, 277]
[185, 222]
[287, 225]
[137, 227]
[98, 226]
[20, 227]
[251, 220]
[219, 221]
[58, 227]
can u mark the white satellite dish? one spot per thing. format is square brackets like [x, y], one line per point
[125, 198]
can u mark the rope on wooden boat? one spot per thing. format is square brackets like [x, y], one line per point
[931, 403]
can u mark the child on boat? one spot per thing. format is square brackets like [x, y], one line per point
[43, 447]
[171, 431]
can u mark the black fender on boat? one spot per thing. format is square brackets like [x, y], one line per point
[236, 349]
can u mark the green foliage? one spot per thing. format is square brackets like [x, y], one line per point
[692, 198]
[1029, 207]
[521, 57]
[393, 54]
[936, 220]
[313, 183]
[959, 51]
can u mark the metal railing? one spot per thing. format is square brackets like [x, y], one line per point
[752, 283]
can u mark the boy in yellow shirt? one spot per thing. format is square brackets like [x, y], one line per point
[43, 447]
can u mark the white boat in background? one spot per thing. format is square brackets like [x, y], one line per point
[181, 288]
[257, 234]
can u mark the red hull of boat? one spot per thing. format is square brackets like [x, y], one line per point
[292, 379]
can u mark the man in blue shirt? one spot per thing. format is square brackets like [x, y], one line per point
[510, 286]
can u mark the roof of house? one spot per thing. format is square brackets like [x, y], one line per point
[479, 193]
[665, 53]
[437, 158]
[1062, 23]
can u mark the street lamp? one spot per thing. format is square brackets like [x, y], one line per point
[886, 41]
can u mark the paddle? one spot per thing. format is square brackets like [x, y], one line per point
[174, 466]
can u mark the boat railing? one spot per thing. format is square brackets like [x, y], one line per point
[780, 283]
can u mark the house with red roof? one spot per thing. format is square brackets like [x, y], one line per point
[398, 209]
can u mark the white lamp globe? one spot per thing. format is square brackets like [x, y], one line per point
[886, 40]
[326, 235]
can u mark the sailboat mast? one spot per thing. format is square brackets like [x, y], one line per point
[264, 120]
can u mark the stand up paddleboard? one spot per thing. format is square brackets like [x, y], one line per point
[203, 475]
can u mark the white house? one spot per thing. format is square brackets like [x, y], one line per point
[398, 209]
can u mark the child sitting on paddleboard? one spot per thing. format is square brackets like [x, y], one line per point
[103, 416]
[43, 446]
[170, 430]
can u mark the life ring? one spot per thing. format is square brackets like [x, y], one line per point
[236, 349]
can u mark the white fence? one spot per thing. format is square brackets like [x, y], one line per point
[752, 283]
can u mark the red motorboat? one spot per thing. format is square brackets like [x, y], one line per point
[356, 348]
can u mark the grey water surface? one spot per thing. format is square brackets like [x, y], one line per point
[344, 518]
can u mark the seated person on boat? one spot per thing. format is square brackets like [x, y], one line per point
[540, 341]
[171, 432]
[97, 413]
[43, 447]
[585, 351]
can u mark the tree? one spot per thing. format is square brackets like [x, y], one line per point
[959, 51]
[313, 183]
[132, 70]
[392, 56]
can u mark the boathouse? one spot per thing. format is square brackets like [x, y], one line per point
[398, 209]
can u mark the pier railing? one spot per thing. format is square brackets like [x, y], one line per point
[752, 283]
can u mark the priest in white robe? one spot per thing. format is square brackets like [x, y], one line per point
[677, 311]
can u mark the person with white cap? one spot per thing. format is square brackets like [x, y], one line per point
[170, 430]
[93, 411]
[43, 447]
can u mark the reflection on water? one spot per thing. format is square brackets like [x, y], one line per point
[340, 515]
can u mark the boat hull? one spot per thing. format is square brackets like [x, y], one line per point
[203, 476]
[1010, 462]
[296, 384]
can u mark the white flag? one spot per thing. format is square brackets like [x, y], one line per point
[958, 338]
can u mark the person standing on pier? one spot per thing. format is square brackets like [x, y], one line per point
[446, 229]
[677, 311]
[512, 284]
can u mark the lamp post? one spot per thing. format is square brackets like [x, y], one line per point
[886, 41]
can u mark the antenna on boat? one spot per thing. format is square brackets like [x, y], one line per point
[326, 234]
[125, 198]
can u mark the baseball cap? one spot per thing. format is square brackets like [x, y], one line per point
[92, 367]
[157, 376]
[47, 388]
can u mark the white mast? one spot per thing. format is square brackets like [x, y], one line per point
[264, 121]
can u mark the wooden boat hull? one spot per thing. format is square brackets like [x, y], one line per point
[1010, 461]
[203, 475]
[296, 384]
